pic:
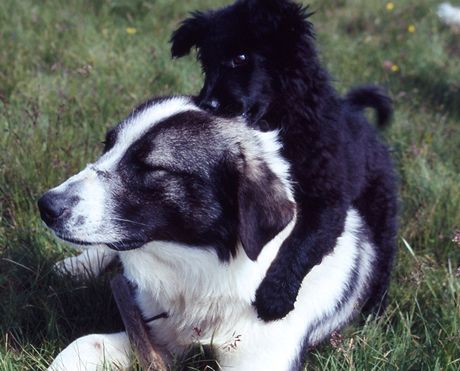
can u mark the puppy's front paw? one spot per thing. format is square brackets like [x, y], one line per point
[274, 300]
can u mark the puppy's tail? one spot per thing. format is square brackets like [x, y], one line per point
[372, 96]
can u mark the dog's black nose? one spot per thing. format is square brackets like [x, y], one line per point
[52, 207]
[210, 105]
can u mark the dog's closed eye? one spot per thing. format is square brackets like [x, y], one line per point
[145, 167]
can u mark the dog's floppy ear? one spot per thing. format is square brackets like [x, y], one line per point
[189, 34]
[263, 206]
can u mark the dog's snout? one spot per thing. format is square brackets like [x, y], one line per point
[52, 206]
[210, 105]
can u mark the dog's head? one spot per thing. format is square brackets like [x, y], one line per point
[172, 172]
[242, 49]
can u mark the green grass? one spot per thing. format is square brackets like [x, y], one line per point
[69, 70]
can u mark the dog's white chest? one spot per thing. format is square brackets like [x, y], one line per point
[200, 307]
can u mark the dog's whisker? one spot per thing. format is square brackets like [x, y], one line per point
[129, 221]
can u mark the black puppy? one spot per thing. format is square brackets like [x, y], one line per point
[259, 60]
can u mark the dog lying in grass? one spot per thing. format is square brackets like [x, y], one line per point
[259, 60]
[197, 208]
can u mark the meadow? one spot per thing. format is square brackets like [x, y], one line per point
[69, 70]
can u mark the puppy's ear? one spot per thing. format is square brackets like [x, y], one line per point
[189, 34]
[264, 208]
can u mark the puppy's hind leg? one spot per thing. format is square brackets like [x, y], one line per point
[379, 206]
[90, 263]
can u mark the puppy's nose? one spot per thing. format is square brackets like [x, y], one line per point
[52, 207]
[210, 105]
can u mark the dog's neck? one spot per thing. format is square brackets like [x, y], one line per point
[173, 269]
[194, 287]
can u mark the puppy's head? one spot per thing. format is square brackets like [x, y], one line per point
[243, 48]
[172, 172]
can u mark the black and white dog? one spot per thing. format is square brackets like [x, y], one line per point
[197, 208]
[259, 60]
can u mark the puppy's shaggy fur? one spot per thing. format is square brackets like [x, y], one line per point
[259, 60]
[187, 200]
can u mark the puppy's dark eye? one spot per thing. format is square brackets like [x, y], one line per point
[237, 61]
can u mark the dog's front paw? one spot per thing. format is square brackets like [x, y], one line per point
[274, 300]
[88, 264]
[95, 352]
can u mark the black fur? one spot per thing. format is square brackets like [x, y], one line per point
[259, 59]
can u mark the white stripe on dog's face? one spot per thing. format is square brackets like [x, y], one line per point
[90, 219]
[172, 172]
[135, 126]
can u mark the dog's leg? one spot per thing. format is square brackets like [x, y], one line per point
[88, 264]
[379, 207]
[95, 352]
[314, 236]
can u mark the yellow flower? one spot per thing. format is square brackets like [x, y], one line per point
[394, 68]
[131, 30]
[411, 28]
[390, 6]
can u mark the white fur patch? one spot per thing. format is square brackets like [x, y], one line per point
[270, 149]
[134, 128]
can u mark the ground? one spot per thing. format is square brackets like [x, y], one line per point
[69, 70]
